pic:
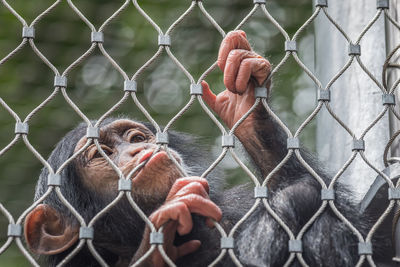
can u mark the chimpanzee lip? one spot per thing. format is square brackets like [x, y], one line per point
[151, 158]
[150, 161]
[146, 156]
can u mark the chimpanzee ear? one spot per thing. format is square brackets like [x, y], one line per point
[46, 231]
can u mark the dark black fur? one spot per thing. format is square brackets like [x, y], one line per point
[260, 241]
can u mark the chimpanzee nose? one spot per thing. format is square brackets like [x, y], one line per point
[127, 152]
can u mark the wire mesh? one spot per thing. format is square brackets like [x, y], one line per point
[164, 42]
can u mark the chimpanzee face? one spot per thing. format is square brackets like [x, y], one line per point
[127, 144]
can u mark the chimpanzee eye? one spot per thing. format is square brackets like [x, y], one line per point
[137, 138]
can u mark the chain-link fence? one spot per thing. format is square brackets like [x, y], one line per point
[130, 87]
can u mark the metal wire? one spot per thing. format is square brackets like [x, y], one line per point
[163, 48]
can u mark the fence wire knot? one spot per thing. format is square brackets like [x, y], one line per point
[259, 2]
[130, 86]
[388, 99]
[28, 32]
[228, 141]
[382, 4]
[260, 192]
[162, 138]
[327, 194]
[293, 143]
[156, 238]
[124, 185]
[164, 40]
[291, 46]
[261, 92]
[14, 230]
[60, 81]
[322, 3]
[227, 243]
[364, 248]
[21, 128]
[86, 232]
[93, 132]
[196, 89]
[358, 145]
[295, 246]
[97, 37]
[54, 179]
[354, 50]
[393, 193]
[324, 95]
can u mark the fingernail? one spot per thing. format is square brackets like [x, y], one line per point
[243, 33]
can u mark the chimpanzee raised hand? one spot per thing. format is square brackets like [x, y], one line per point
[185, 206]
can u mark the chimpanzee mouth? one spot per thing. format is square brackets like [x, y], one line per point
[150, 158]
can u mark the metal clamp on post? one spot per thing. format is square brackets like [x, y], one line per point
[322, 3]
[130, 86]
[291, 46]
[227, 243]
[86, 233]
[261, 92]
[124, 185]
[54, 179]
[364, 248]
[228, 141]
[382, 4]
[293, 143]
[295, 246]
[21, 128]
[164, 40]
[324, 95]
[327, 194]
[388, 99]
[60, 81]
[358, 145]
[156, 238]
[14, 230]
[196, 89]
[393, 193]
[97, 37]
[28, 32]
[354, 50]
[92, 132]
[260, 192]
[162, 138]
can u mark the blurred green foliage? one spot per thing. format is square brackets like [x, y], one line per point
[95, 86]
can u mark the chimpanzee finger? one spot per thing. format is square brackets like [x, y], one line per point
[202, 206]
[233, 63]
[181, 182]
[191, 188]
[210, 223]
[208, 96]
[188, 247]
[177, 211]
[233, 40]
[259, 68]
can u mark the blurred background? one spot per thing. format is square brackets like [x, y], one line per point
[95, 86]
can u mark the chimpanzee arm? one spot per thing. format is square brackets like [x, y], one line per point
[296, 198]
[263, 139]
[328, 242]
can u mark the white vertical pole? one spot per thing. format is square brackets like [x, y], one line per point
[354, 97]
[393, 40]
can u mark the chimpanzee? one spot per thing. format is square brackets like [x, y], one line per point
[187, 205]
